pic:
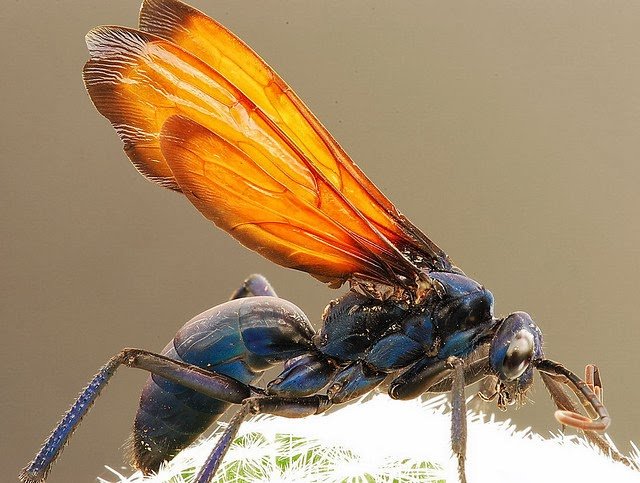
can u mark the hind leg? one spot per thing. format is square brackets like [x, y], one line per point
[209, 383]
[217, 355]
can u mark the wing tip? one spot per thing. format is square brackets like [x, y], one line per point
[162, 17]
[107, 41]
[114, 51]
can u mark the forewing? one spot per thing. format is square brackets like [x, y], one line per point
[186, 64]
[229, 55]
[212, 43]
[232, 190]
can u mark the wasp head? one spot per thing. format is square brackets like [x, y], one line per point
[515, 345]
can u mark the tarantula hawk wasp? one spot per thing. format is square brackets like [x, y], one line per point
[200, 113]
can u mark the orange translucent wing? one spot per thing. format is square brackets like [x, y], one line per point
[122, 95]
[212, 43]
[332, 222]
[137, 79]
[234, 192]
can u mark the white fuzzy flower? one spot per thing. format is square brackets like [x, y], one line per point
[380, 440]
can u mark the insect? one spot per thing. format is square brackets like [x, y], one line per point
[201, 114]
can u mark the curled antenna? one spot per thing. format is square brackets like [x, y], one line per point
[600, 420]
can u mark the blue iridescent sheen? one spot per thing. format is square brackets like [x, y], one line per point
[393, 352]
[513, 324]
[353, 323]
[419, 328]
[240, 339]
[306, 375]
[460, 343]
[353, 381]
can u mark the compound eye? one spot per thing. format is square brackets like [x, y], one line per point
[519, 355]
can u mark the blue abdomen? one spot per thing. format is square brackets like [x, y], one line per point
[240, 339]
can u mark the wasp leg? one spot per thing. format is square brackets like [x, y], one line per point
[593, 380]
[277, 406]
[419, 378]
[255, 285]
[433, 375]
[209, 383]
[458, 416]
[564, 403]
[355, 380]
[451, 374]
[303, 376]
[488, 389]
[429, 375]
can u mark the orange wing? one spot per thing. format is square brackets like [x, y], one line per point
[200, 112]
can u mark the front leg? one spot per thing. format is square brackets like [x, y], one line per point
[432, 375]
[458, 415]
[564, 403]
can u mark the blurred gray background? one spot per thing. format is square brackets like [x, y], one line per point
[508, 131]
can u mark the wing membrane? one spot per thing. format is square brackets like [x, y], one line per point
[232, 190]
[300, 200]
[229, 55]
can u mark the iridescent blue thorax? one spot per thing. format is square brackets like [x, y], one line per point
[389, 336]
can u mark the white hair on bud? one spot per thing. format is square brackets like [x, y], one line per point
[382, 440]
